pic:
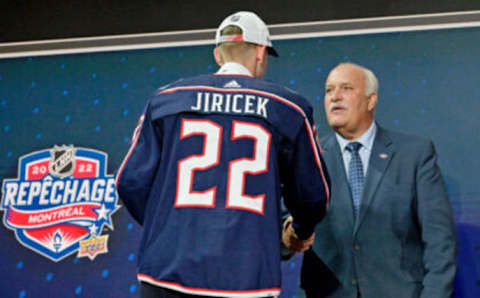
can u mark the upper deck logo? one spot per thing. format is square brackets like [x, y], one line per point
[60, 202]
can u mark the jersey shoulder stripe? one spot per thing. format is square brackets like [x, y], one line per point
[255, 91]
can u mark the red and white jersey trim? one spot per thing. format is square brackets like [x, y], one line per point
[208, 292]
[135, 137]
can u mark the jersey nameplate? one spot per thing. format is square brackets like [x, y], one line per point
[237, 103]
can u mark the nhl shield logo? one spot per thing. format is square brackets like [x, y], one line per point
[60, 202]
[62, 161]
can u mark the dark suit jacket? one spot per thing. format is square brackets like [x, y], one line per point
[403, 244]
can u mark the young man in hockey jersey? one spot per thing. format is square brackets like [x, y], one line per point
[209, 162]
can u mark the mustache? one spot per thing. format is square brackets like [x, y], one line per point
[335, 105]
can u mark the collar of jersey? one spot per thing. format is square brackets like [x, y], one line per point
[233, 68]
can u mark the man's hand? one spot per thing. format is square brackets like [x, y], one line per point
[291, 240]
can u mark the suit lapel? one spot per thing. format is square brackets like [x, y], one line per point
[382, 153]
[340, 189]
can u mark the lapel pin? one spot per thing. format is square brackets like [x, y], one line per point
[383, 155]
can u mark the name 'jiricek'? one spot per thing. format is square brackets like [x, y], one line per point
[231, 103]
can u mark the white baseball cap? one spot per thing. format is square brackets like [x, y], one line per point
[253, 28]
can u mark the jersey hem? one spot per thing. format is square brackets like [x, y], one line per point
[208, 292]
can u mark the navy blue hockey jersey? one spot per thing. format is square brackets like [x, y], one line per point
[210, 160]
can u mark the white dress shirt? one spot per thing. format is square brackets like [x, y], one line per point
[367, 143]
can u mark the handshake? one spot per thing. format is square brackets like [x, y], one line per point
[291, 240]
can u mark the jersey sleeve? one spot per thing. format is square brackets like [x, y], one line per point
[306, 184]
[137, 171]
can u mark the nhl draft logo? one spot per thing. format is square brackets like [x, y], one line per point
[60, 202]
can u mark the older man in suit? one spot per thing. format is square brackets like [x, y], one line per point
[389, 230]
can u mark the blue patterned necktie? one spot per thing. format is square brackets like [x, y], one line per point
[355, 175]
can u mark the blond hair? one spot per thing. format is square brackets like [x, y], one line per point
[237, 51]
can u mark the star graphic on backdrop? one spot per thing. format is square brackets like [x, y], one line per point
[93, 229]
[102, 212]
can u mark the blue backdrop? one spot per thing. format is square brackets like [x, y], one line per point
[429, 85]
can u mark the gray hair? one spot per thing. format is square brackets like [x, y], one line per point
[371, 81]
